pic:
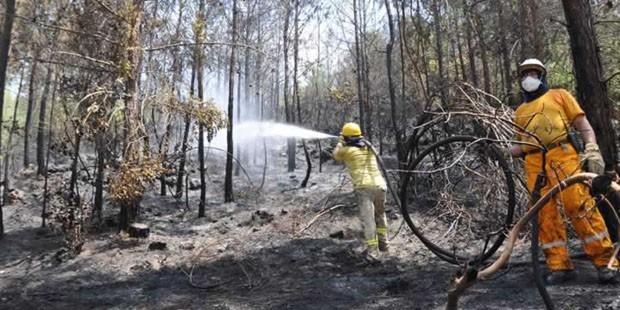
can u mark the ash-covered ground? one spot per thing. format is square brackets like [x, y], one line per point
[255, 253]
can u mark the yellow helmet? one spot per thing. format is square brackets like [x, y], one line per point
[351, 130]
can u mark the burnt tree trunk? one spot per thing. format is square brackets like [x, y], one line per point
[31, 106]
[317, 96]
[436, 11]
[176, 72]
[532, 45]
[237, 147]
[288, 110]
[591, 86]
[471, 53]
[228, 186]
[388, 63]
[198, 59]
[47, 152]
[358, 68]
[41, 126]
[133, 127]
[402, 29]
[410, 52]
[365, 71]
[75, 158]
[459, 48]
[5, 46]
[420, 51]
[5, 162]
[275, 89]
[296, 61]
[258, 72]
[249, 109]
[504, 50]
[304, 182]
[486, 72]
[99, 177]
[188, 121]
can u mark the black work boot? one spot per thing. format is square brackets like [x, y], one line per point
[370, 256]
[607, 276]
[383, 246]
[560, 276]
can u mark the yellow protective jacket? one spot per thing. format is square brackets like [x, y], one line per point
[362, 166]
[547, 117]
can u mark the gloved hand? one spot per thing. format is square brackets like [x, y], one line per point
[341, 140]
[502, 152]
[593, 160]
[514, 150]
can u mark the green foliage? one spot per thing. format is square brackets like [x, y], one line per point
[9, 106]
[205, 113]
[561, 75]
[210, 116]
[342, 95]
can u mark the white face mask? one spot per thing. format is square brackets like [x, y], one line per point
[530, 84]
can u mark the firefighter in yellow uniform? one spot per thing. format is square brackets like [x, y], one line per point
[369, 185]
[548, 114]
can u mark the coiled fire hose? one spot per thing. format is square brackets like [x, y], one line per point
[542, 290]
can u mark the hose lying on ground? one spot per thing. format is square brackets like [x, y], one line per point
[472, 275]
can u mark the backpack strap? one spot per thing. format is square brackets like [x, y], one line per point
[573, 136]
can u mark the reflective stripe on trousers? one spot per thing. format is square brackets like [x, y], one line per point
[372, 242]
[553, 244]
[382, 233]
[596, 237]
[561, 162]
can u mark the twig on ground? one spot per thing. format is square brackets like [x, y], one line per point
[15, 263]
[190, 277]
[400, 227]
[316, 217]
[250, 284]
[237, 161]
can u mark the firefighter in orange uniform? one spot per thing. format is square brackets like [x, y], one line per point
[548, 114]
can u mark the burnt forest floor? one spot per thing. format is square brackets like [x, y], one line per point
[250, 254]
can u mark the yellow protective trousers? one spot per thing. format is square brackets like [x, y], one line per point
[371, 203]
[562, 162]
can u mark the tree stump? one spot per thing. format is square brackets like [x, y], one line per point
[138, 230]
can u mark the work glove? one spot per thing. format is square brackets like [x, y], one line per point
[500, 151]
[341, 140]
[509, 152]
[592, 159]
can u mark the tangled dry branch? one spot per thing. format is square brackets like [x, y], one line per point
[130, 182]
[481, 109]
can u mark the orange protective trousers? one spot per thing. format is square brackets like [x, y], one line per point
[579, 208]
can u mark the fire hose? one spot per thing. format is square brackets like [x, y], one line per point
[534, 246]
